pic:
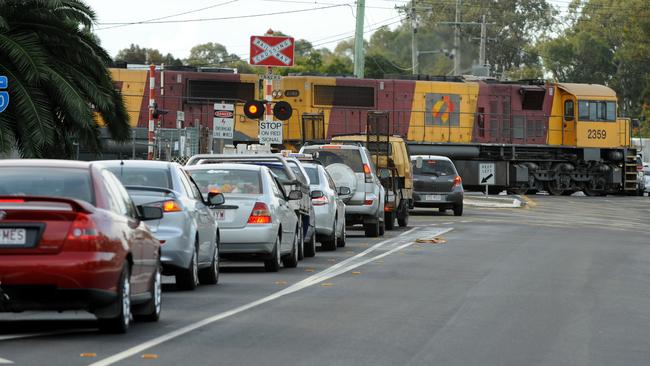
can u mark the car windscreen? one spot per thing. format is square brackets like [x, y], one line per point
[44, 181]
[349, 157]
[434, 167]
[278, 169]
[227, 181]
[313, 175]
[139, 176]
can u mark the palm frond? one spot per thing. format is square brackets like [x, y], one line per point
[24, 52]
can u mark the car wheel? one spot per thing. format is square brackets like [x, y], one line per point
[371, 230]
[291, 261]
[188, 278]
[389, 220]
[382, 228]
[310, 248]
[150, 311]
[403, 219]
[210, 275]
[120, 323]
[342, 237]
[330, 242]
[301, 240]
[273, 264]
[458, 210]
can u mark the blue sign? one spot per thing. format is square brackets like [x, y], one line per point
[4, 96]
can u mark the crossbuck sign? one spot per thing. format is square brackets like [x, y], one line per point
[271, 51]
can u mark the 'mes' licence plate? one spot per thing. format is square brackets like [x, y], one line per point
[433, 197]
[13, 236]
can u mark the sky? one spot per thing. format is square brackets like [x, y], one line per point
[330, 22]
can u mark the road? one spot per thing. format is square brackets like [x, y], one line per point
[565, 282]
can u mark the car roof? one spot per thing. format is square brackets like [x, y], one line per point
[338, 147]
[225, 166]
[431, 157]
[47, 163]
[137, 163]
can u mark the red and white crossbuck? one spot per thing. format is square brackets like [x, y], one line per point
[271, 51]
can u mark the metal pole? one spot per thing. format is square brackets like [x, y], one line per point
[358, 40]
[481, 52]
[457, 39]
[152, 93]
[414, 43]
[268, 91]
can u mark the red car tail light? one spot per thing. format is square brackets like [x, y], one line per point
[320, 201]
[83, 229]
[168, 206]
[260, 214]
[367, 172]
[457, 181]
[368, 202]
[12, 200]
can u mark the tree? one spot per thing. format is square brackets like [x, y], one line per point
[57, 73]
[142, 55]
[210, 54]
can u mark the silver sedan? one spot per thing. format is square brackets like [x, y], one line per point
[328, 206]
[256, 219]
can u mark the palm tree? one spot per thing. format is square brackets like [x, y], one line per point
[58, 79]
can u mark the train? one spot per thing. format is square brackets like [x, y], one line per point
[537, 135]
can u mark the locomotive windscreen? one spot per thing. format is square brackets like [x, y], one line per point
[533, 98]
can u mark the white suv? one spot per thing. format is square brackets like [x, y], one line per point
[351, 166]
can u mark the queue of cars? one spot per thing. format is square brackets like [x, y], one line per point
[98, 236]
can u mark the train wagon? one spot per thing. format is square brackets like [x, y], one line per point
[557, 137]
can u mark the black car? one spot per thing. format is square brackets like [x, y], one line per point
[436, 183]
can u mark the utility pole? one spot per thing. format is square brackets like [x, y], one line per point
[358, 40]
[414, 43]
[457, 39]
[481, 51]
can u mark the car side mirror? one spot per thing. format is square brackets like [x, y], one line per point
[294, 195]
[150, 213]
[316, 194]
[216, 199]
[344, 191]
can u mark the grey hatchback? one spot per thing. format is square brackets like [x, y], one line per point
[436, 183]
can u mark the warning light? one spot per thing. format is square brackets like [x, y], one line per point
[282, 110]
[254, 109]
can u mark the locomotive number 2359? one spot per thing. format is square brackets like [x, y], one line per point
[596, 134]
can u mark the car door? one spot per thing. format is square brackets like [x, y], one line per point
[205, 223]
[286, 214]
[339, 206]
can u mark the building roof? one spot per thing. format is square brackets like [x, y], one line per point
[588, 90]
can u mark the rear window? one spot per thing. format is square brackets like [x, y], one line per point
[227, 181]
[434, 167]
[57, 182]
[148, 177]
[349, 157]
[313, 175]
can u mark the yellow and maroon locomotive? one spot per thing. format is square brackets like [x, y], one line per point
[557, 137]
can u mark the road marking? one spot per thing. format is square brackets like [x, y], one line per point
[333, 271]
[4, 361]
[88, 355]
[9, 337]
[150, 356]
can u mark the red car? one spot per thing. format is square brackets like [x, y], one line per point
[72, 239]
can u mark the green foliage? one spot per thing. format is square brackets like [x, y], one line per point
[210, 54]
[57, 73]
[142, 55]
[607, 43]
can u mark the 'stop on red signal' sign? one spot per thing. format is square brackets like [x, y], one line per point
[271, 51]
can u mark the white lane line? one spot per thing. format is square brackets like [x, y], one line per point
[5, 361]
[309, 281]
[9, 337]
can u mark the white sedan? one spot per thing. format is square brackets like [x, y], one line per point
[256, 220]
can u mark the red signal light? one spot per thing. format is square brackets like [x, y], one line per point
[282, 110]
[254, 109]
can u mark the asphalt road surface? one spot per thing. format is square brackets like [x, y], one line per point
[566, 282]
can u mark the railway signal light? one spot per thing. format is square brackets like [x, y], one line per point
[254, 109]
[282, 110]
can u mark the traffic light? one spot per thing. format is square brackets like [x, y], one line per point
[282, 110]
[254, 109]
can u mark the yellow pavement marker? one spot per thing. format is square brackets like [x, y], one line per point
[356, 273]
[331, 260]
[150, 356]
[88, 355]
[280, 282]
[309, 270]
[436, 240]
[327, 284]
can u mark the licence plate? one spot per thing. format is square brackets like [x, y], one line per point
[13, 237]
[433, 197]
[220, 214]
